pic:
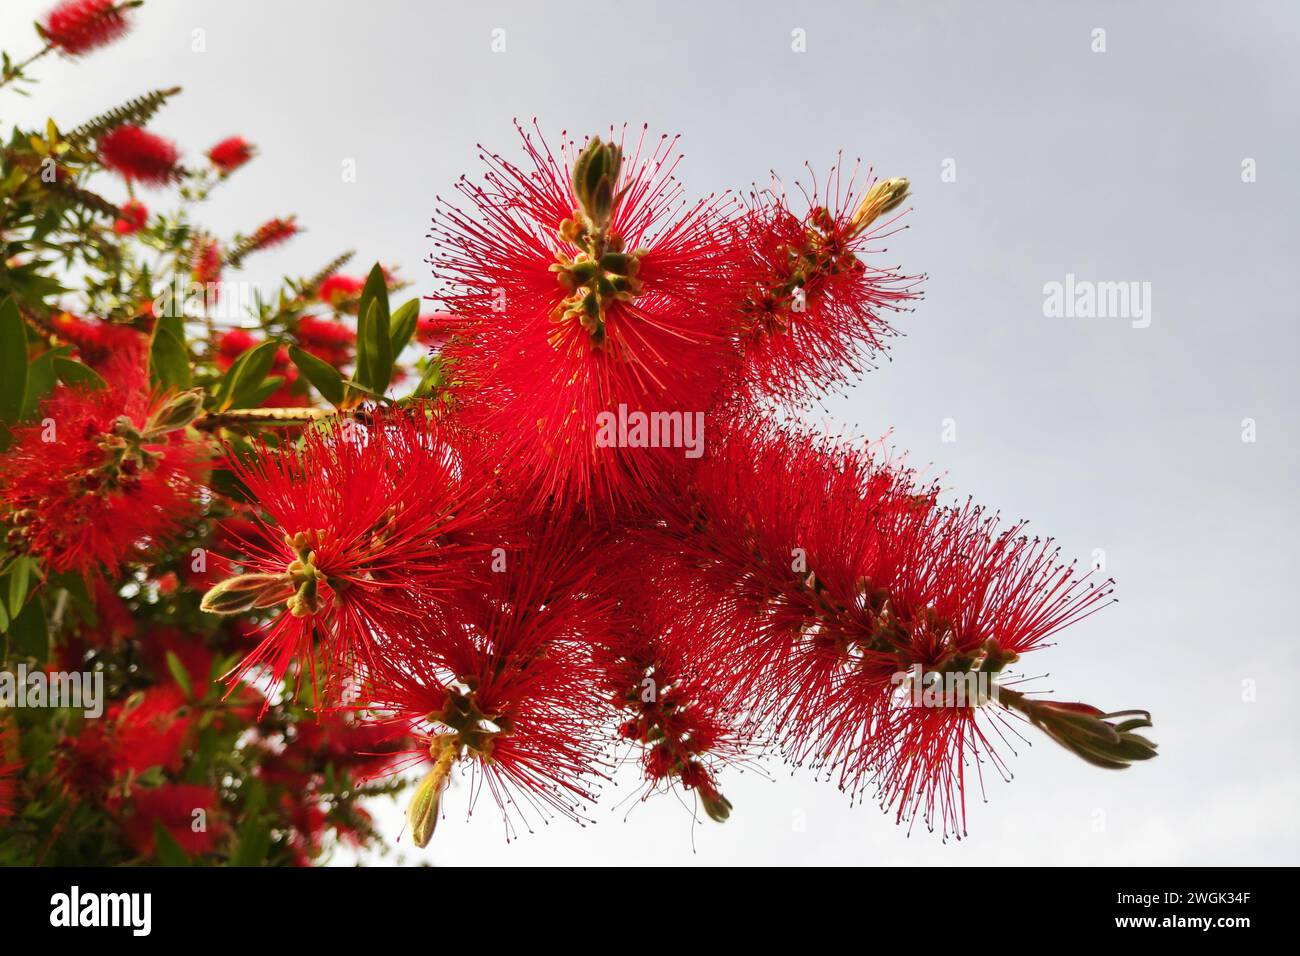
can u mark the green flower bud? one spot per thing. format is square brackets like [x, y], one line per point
[244, 592]
[595, 176]
[178, 411]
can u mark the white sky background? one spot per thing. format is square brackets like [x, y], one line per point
[1115, 166]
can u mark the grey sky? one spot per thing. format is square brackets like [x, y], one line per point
[1117, 166]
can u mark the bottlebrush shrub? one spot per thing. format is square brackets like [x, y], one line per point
[302, 548]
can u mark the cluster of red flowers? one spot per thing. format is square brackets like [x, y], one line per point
[102, 478]
[523, 586]
[598, 535]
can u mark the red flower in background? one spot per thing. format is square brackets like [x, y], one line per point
[101, 478]
[149, 729]
[205, 261]
[575, 299]
[195, 659]
[231, 344]
[187, 812]
[79, 26]
[329, 341]
[337, 288]
[139, 155]
[133, 218]
[10, 763]
[231, 153]
[272, 233]
[99, 343]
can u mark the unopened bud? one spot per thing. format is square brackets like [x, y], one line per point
[244, 592]
[595, 176]
[422, 813]
[1093, 735]
[177, 412]
[884, 196]
[715, 805]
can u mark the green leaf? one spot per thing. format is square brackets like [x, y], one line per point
[403, 325]
[254, 841]
[377, 396]
[166, 849]
[40, 380]
[256, 396]
[374, 338]
[246, 375]
[321, 374]
[71, 372]
[169, 363]
[31, 636]
[180, 675]
[13, 362]
[19, 577]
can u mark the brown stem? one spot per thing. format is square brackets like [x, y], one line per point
[261, 416]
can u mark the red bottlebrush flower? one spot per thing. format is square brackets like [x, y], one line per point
[102, 478]
[368, 529]
[574, 301]
[231, 153]
[149, 729]
[139, 155]
[10, 763]
[99, 343]
[188, 812]
[817, 311]
[339, 288]
[272, 232]
[331, 342]
[825, 580]
[79, 26]
[231, 344]
[133, 218]
[672, 708]
[504, 683]
[206, 261]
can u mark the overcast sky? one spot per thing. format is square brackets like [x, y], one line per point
[1121, 433]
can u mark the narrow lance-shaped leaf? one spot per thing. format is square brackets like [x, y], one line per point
[403, 325]
[374, 340]
[169, 363]
[321, 374]
[13, 362]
